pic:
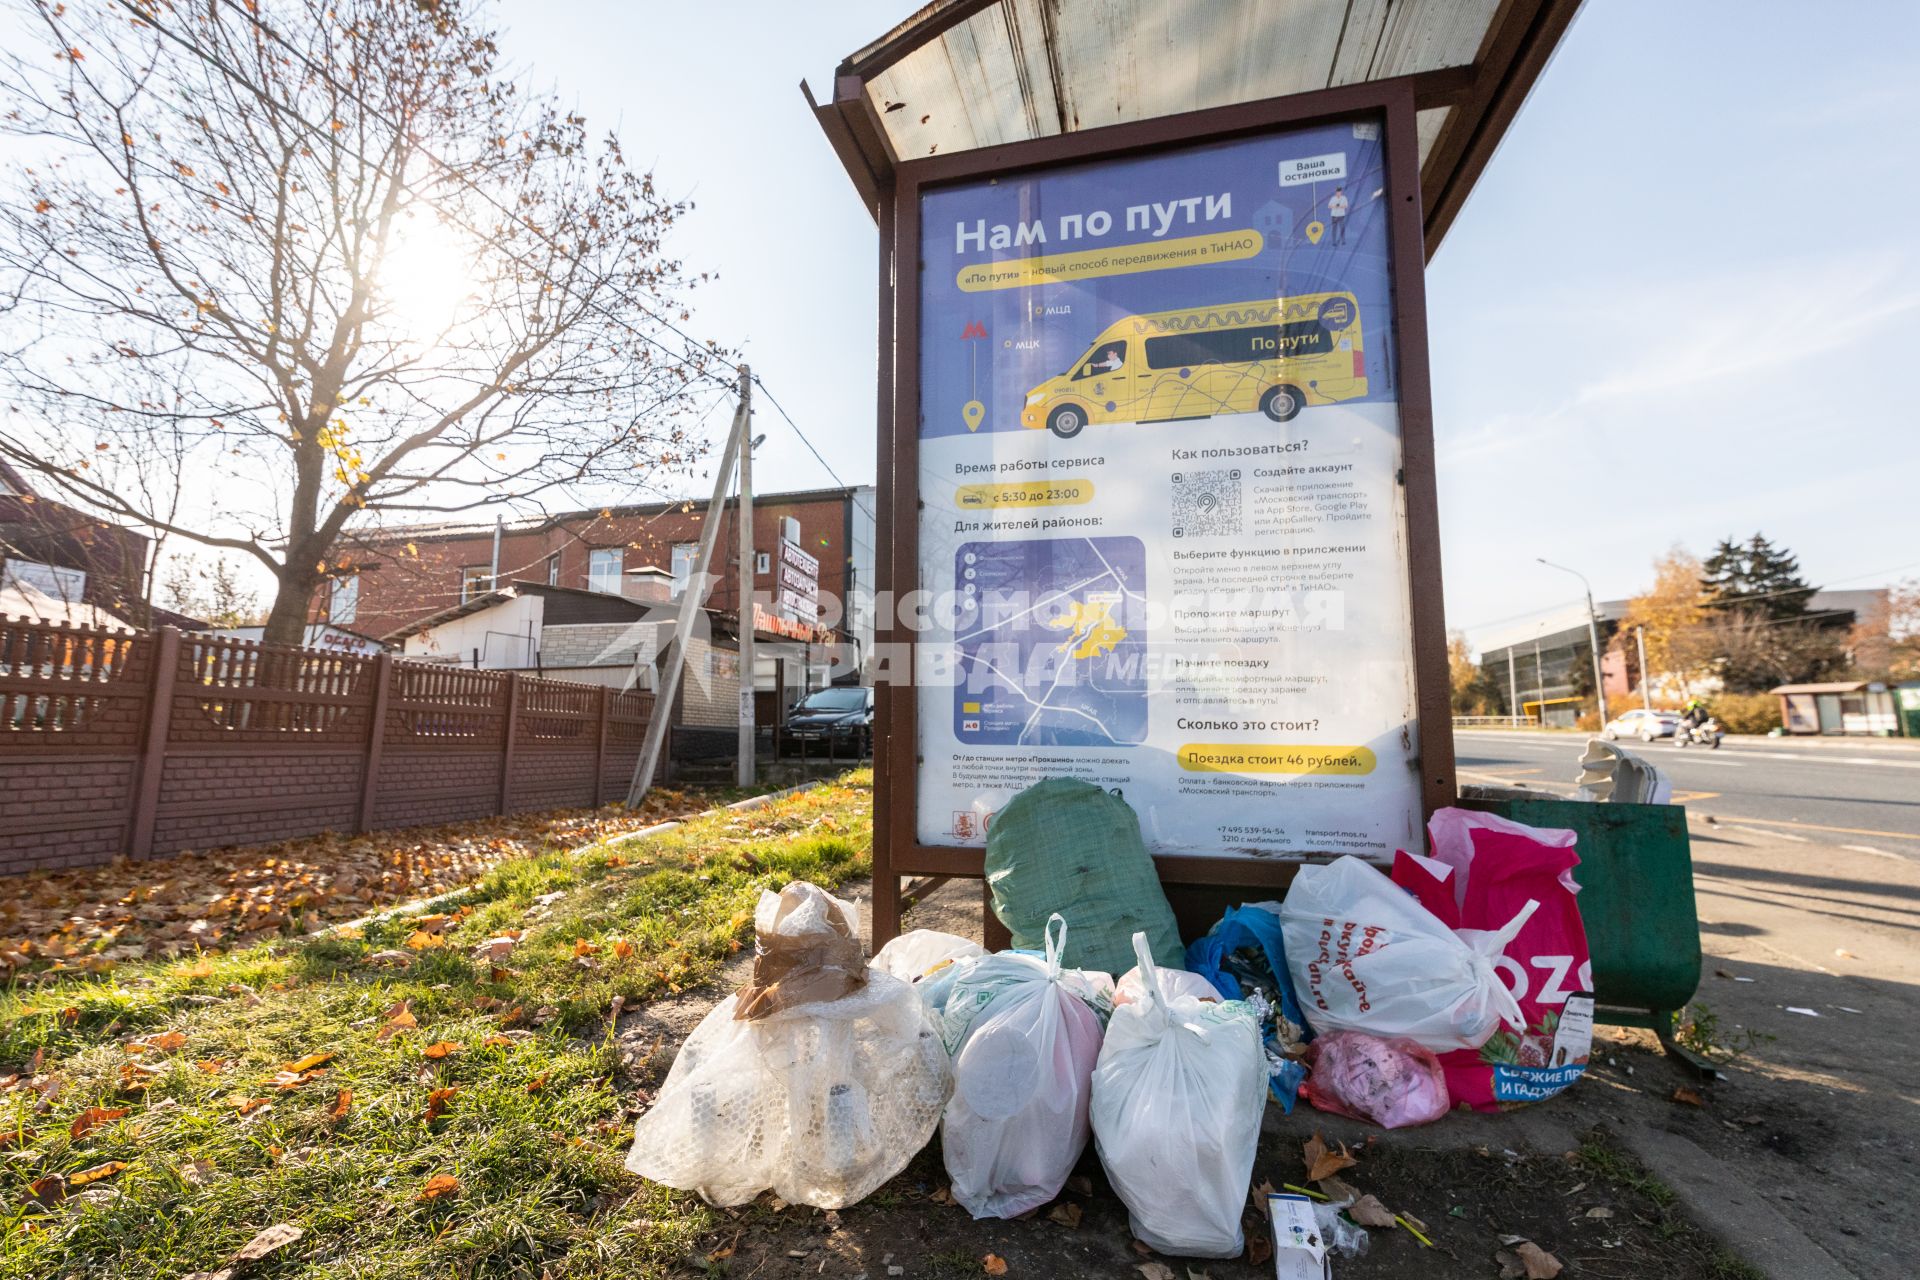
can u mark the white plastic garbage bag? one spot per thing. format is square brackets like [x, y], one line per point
[1366, 957]
[932, 961]
[1173, 982]
[1025, 1035]
[1177, 1100]
[918, 952]
[821, 1100]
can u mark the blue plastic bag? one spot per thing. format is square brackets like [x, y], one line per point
[1257, 927]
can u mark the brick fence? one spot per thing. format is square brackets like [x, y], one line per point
[149, 744]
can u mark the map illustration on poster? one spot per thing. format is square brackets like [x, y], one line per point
[1161, 519]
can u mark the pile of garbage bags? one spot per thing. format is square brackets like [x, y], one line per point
[1460, 978]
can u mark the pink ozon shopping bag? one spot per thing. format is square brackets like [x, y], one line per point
[1482, 871]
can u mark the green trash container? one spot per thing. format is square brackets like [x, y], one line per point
[1906, 709]
[1636, 899]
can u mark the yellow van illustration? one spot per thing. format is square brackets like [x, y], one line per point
[1274, 355]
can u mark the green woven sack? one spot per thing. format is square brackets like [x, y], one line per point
[1065, 845]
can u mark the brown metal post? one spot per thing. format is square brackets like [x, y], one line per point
[376, 741]
[600, 747]
[506, 746]
[1432, 684]
[153, 753]
[889, 764]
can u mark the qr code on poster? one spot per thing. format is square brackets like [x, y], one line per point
[1206, 502]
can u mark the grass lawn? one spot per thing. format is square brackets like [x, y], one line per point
[414, 1105]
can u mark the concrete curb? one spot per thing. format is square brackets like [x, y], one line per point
[423, 906]
[1738, 1216]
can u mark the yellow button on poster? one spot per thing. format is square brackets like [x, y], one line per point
[1057, 493]
[1118, 260]
[1274, 757]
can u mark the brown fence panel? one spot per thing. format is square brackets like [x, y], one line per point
[627, 716]
[264, 742]
[556, 741]
[73, 711]
[445, 736]
[116, 744]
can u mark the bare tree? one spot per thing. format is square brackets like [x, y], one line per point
[385, 280]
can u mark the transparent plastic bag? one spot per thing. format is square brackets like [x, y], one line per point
[820, 1101]
[931, 961]
[1177, 1101]
[1025, 1042]
[1394, 1083]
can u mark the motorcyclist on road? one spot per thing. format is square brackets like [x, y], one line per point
[1694, 718]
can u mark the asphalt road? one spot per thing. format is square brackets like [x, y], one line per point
[1866, 800]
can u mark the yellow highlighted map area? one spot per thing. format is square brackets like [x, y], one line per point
[1115, 260]
[1274, 757]
[1091, 629]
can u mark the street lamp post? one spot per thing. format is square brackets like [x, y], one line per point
[1593, 635]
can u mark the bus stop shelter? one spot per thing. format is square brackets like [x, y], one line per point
[967, 94]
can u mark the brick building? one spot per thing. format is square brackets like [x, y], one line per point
[404, 574]
[68, 556]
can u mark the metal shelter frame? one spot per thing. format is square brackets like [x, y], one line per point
[1486, 97]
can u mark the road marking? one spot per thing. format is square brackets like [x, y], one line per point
[1717, 764]
[1681, 797]
[1771, 835]
[1867, 848]
[1815, 826]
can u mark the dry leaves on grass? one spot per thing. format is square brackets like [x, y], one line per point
[397, 1019]
[439, 1185]
[994, 1265]
[92, 1118]
[96, 1173]
[86, 920]
[437, 1103]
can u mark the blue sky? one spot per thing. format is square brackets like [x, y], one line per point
[1679, 306]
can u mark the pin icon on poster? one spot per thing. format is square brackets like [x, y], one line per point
[1315, 230]
[974, 412]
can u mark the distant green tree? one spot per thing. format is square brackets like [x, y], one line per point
[1755, 577]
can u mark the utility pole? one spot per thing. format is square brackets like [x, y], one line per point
[1646, 685]
[1539, 682]
[1513, 689]
[493, 570]
[749, 679]
[1593, 636]
[692, 600]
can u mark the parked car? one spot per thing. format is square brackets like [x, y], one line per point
[840, 717]
[1641, 724]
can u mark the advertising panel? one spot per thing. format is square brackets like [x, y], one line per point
[1162, 531]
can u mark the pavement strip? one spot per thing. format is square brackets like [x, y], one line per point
[1878, 853]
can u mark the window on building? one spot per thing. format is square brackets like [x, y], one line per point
[58, 581]
[343, 600]
[684, 554]
[603, 570]
[475, 580]
[553, 569]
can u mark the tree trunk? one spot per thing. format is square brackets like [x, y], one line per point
[287, 620]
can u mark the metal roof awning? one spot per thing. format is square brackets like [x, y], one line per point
[960, 75]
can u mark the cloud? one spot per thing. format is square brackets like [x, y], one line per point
[1707, 337]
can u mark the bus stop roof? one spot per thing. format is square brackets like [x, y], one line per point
[960, 75]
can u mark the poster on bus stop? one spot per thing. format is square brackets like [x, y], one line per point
[1161, 526]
